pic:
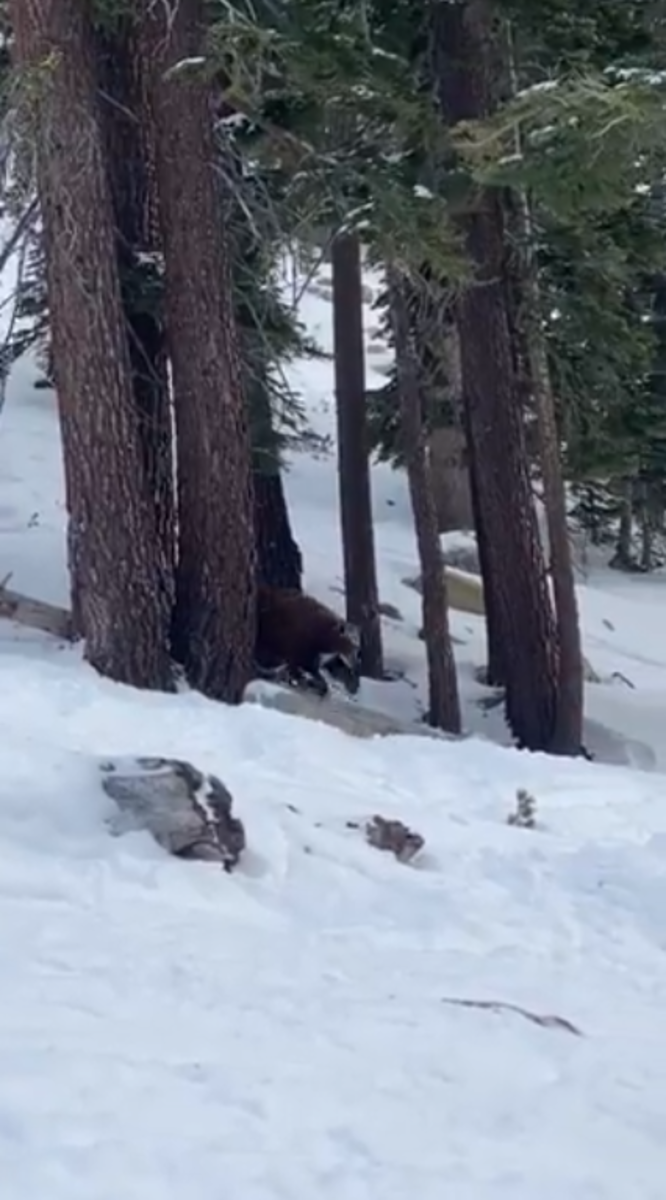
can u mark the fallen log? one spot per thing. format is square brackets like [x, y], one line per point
[35, 614]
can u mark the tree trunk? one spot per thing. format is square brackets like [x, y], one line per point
[623, 557]
[444, 706]
[358, 540]
[465, 64]
[117, 587]
[279, 561]
[495, 673]
[135, 202]
[568, 733]
[214, 623]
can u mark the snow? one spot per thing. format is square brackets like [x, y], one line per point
[286, 1032]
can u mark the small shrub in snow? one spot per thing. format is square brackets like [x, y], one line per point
[525, 813]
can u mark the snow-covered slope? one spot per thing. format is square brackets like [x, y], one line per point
[289, 1031]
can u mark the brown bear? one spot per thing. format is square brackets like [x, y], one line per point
[300, 637]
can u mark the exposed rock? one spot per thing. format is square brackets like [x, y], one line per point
[465, 592]
[463, 557]
[350, 717]
[394, 836]
[188, 813]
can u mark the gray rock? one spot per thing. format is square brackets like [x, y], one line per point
[395, 837]
[188, 813]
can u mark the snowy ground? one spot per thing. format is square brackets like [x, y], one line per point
[285, 1033]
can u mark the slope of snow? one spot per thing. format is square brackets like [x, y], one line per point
[284, 1032]
[287, 1032]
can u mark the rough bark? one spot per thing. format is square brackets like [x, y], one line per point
[358, 541]
[279, 561]
[131, 167]
[214, 621]
[444, 705]
[495, 672]
[278, 558]
[568, 731]
[117, 595]
[465, 61]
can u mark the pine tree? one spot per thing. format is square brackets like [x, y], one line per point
[214, 618]
[358, 541]
[117, 592]
[467, 69]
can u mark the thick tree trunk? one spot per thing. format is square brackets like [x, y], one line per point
[134, 191]
[278, 558]
[214, 621]
[466, 67]
[279, 561]
[444, 705]
[358, 540]
[118, 597]
[568, 733]
[495, 672]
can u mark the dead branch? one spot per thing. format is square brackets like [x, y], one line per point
[35, 614]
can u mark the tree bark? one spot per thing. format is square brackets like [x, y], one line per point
[214, 621]
[444, 705]
[358, 541]
[495, 672]
[133, 183]
[279, 561]
[117, 588]
[568, 732]
[466, 67]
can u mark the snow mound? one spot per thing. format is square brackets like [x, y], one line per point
[285, 1032]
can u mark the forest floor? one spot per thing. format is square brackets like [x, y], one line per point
[291, 1031]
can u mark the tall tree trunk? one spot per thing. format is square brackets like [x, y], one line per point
[279, 560]
[214, 624]
[118, 592]
[568, 732]
[358, 540]
[444, 705]
[135, 202]
[465, 59]
[623, 557]
[495, 673]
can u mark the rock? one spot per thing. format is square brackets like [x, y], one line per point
[463, 558]
[188, 813]
[465, 592]
[350, 718]
[394, 836]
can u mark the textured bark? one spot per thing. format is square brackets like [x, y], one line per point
[214, 621]
[279, 561]
[568, 732]
[568, 729]
[278, 557]
[358, 540]
[117, 595]
[466, 69]
[495, 672]
[444, 706]
[131, 170]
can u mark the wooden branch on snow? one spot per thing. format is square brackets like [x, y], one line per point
[35, 614]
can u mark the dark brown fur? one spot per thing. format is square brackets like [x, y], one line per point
[298, 633]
